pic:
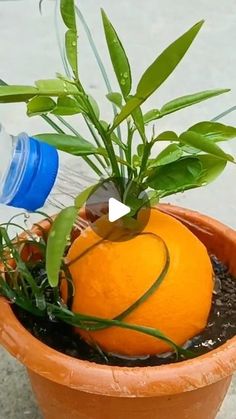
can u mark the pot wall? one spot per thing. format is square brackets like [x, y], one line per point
[60, 402]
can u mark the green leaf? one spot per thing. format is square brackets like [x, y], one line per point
[198, 141]
[57, 241]
[114, 137]
[10, 94]
[212, 168]
[189, 100]
[159, 71]
[55, 87]
[170, 154]
[165, 64]
[94, 50]
[118, 56]
[117, 141]
[103, 152]
[189, 150]
[75, 145]
[67, 106]
[151, 115]
[105, 125]
[68, 13]
[71, 50]
[40, 105]
[67, 8]
[95, 106]
[137, 116]
[136, 160]
[101, 67]
[167, 136]
[115, 98]
[214, 131]
[176, 176]
[140, 149]
[180, 103]
[81, 199]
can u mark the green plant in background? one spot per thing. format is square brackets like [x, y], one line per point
[190, 160]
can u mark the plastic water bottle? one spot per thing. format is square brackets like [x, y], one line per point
[32, 175]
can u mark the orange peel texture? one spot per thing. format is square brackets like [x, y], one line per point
[109, 276]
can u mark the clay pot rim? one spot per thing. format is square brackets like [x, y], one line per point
[121, 381]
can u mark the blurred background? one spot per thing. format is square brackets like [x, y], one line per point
[29, 51]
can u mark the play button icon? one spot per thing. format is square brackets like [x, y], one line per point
[117, 210]
[113, 211]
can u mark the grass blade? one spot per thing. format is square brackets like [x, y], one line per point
[57, 241]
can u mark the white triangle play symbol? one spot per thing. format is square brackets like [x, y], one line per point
[116, 210]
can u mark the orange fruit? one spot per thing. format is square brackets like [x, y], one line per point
[109, 276]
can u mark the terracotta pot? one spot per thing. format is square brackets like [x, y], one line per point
[68, 388]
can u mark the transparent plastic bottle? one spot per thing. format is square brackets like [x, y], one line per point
[32, 175]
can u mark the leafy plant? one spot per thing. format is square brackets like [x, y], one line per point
[190, 160]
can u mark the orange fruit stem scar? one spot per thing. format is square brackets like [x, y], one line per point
[109, 276]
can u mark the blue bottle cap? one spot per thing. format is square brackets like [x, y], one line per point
[31, 175]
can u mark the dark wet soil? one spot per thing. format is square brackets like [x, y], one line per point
[221, 327]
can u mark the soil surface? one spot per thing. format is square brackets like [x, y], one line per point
[221, 327]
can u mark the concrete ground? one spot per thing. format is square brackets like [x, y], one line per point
[28, 52]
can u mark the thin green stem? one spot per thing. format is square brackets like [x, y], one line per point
[74, 131]
[22, 268]
[106, 139]
[92, 131]
[153, 288]
[93, 165]
[145, 157]
[60, 131]
[128, 152]
[111, 153]
[104, 74]
[86, 322]
[90, 127]
[67, 125]
[223, 114]
[52, 124]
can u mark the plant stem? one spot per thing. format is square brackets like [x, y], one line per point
[90, 127]
[52, 124]
[64, 122]
[103, 72]
[221, 115]
[106, 139]
[86, 322]
[92, 131]
[128, 153]
[60, 131]
[74, 131]
[146, 154]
